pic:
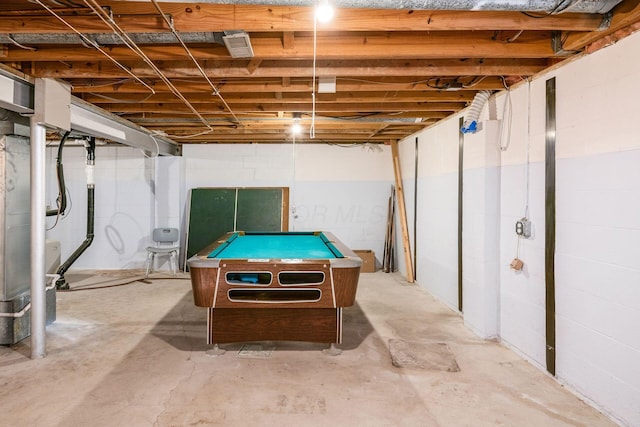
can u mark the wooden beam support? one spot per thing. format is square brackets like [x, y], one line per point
[385, 46]
[299, 69]
[253, 65]
[288, 40]
[406, 244]
[142, 17]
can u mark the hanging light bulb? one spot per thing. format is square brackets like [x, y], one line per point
[324, 11]
[296, 127]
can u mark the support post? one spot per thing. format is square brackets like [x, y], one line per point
[402, 211]
[550, 225]
[38, 213]
[460, 213]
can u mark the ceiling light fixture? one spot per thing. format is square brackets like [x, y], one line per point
[296, 127]
[324, 11]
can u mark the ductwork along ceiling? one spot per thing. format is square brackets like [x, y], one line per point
[240, 71]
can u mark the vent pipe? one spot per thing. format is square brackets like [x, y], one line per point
[473, 113]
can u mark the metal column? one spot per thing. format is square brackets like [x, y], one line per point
[460, 213]
[38, 213]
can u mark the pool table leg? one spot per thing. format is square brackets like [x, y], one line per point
[332, 350]
[215, 351]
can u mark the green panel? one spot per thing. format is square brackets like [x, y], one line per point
[210, 216]
[259, 209]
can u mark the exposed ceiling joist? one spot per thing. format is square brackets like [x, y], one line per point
[397, 68]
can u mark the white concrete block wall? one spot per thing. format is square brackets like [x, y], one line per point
[123, 206]
[338, 189]
[522, 293]
[480, 230]
[437, 210]
[598, 229]
[598, 226]
[168, 189]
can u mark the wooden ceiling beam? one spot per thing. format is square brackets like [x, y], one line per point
[279, 97]
[284, 135]
[342, 115]
[279, 69]
[287, 107]
[142, 17]
[284, 85]
[413, 45]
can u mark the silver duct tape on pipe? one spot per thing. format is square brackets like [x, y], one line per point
[548, 6]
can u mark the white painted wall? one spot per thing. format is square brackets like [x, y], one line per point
[437, 203]
[480, 229]
[598, 229]
[338, 189]
[598, 225]
[123, 206]
[407, 157]
[342, 190]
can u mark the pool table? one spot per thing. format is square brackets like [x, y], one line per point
[275, 286]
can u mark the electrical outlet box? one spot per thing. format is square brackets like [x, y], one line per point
[523, 228]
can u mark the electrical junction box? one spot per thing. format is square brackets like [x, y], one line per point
[52, 103]
[523, 228]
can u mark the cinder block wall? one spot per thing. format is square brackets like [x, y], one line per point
[597, 260]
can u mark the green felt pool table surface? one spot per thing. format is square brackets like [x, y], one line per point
[287, 245]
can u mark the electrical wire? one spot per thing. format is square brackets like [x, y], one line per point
[157, 153]
[507, 115]
[528, 159]
[134, 279]
[21, 46]
[216, 91]
[109, 21]
[95, 45]
[121, 101]
[312, 128]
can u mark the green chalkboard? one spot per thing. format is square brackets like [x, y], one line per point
[211, 214]
[259, 209]
[215, 211]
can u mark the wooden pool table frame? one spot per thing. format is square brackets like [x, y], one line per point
[264, 315]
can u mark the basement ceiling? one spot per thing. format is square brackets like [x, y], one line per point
[387, 72]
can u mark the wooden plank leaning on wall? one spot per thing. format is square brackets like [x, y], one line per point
[402, 212]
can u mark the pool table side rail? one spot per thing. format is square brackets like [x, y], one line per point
[210, 289]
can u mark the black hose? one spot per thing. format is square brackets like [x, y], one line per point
[62, 283]
[62, 192]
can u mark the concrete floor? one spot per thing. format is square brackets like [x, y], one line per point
[134, 355]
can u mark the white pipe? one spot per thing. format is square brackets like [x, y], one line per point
[27, 307]
[38, 214]
[18, 314]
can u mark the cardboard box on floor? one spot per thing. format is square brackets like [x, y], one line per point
[368, 260]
